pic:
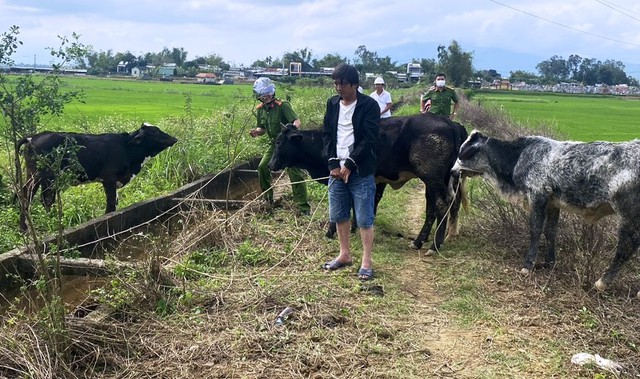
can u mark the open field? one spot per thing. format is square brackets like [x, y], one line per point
[464, 313]
[579, 117]
[152, 101]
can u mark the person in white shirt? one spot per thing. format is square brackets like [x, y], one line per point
[350, 136]
[382, 97]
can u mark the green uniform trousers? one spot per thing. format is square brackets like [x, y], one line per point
[295, 175]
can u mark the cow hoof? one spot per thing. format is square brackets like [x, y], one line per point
[453, 232]
[412, 245]
[430, 253]
[525, 271]
[600, 285]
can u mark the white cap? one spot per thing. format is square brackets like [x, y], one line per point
[378, 80]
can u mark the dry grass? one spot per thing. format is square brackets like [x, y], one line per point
[465, 313]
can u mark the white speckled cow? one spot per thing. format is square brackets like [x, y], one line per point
[591, 179]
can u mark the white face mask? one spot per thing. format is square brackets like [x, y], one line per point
[440, 83]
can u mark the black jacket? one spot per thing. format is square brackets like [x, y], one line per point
[366, 121]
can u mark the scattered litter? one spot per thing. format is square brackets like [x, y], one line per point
[282, 317]
[607, 364]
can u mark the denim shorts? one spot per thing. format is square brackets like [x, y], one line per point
[359, 190]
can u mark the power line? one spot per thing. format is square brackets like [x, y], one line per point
[566, 26]
[618, 6]
[617, 10]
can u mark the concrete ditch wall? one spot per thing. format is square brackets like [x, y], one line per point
[228, 188]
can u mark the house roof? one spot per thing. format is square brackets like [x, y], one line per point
[206, 75]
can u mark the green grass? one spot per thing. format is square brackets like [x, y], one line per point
[148, 101]
[580, 117]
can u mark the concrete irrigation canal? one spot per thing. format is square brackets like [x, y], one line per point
[227, 190]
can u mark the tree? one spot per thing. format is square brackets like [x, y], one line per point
[178, 56]
[385, 64]
[216, 62]
[130, 61]
[587, 71]
[456, 63]
[266, 62]
[24, 101]
[524, 76]
[487, 75]
[573, 64]
[429, 70]
[366, 61]
[101, 63]
[554, 70]
[329, 60]
[302, 56]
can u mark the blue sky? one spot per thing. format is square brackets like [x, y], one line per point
[504, 35]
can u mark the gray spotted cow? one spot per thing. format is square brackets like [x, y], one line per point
[591, 179]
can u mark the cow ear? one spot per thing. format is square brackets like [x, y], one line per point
[295, 137]
[288, 127]
[472, 145]
[468, 151]
[137, 138]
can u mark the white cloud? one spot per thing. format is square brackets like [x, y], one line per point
[243, 31]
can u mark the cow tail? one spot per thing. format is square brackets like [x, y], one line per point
[462, 180]
[457, 186]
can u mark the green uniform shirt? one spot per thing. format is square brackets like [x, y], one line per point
[272, 116]
[441, 100]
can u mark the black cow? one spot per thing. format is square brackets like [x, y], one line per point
[111, 158]
[423, 146]
[592, 179]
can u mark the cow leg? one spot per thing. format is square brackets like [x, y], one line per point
[550, 233]
[536, 224]
[331, 230]
[28, 191]
[380, 187]
[354, 219]
[112, 196]
[628, 243]
[442, 206]
[459, 196]
[431, 196]
[48, 193]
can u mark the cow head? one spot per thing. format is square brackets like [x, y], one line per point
[287, 145]
[470, 160]
[151, 139]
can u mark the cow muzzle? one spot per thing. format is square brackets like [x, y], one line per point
[459, 170]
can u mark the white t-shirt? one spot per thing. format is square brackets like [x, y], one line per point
[383, 99]
[345, 140]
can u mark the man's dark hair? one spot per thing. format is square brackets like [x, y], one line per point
[346, 74]
[442, 74]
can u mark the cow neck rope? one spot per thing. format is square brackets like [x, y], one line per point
[446, 214]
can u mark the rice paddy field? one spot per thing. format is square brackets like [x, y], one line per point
[579, 117]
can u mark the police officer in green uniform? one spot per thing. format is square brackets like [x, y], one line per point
[271, 114]
[438, 99]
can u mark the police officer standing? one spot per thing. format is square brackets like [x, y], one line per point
[439, 98]
[271, 114]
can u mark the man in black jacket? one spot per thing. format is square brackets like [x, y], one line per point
[350, 133]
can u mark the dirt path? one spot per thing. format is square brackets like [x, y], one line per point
[449, 350]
